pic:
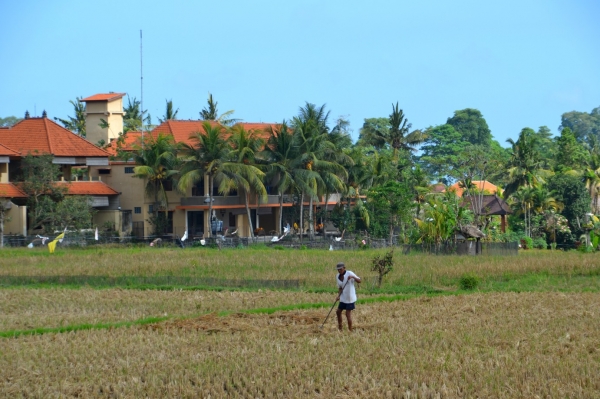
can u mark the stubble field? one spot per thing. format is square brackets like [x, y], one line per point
[543, 341]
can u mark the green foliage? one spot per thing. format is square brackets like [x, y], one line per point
[383, 265]
[9, 121]
[75, 124]
[526, 242]
[170, 114]
[210, 113]
[586, 127]
[472, 126]
[570, 154]
[441, 151]
[278, 247]
[540, 243]
[469, 282]
[134, 117]
[391, 205]
[571, 191]
[39, 175]
[442, 216]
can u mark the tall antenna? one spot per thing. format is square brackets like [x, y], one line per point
[142, 89]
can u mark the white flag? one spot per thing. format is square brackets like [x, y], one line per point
[96, 234]
[184, 236]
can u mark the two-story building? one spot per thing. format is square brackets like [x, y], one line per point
[77, 158]
[187, 212]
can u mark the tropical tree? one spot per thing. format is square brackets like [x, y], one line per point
[279, 155]
[442, 216]
[391, 205]
[472, 126]
[524, 167]
[134, 117]
[76, 123]
[210, 113]
[169, 113]
[318, 167]
[245, 149]
[157, 164]
[9, 121]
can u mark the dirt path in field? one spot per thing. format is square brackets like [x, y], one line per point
[296, 322]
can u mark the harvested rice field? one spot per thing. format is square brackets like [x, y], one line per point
[503, 345]
[24, 309]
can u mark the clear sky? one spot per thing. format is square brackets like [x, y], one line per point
[521, 63]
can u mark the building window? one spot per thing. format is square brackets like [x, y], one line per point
[150, 208]
[104, 171]
[128, 169]
[168, 185]
[137, 209]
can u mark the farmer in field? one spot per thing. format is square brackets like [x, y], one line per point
[347, 294]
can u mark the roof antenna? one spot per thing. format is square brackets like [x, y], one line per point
[142, 90]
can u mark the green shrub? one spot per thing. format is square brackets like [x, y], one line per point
[469, 282]
[540, 243]
[303, 247]
[278, 247]
[526, 242]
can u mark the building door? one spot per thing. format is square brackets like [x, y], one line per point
[195, 221]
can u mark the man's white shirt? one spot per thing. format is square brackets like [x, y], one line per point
[349, 293]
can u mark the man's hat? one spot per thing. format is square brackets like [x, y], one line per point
[340, 265]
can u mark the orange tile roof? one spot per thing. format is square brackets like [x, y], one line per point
[182, 129]
[9, 190]
[88, 188]
[130, 139]
[4, 151]
[481, 185]
[45, 136]
[103, 97]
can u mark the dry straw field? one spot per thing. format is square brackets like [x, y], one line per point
[495, 345]
[261, 343]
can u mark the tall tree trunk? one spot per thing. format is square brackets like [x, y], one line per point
[210, 197]
[391, 230]
[246, 195]
[311, 222]
[301, 214]
[280, 214]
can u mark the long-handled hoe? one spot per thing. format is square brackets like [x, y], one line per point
[332, 306]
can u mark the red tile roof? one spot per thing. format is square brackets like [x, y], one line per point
[103, 97]
[481, 185]
[9, 190]
[5, 151]
[182, 129]
[130, 139]
[45, 136]
[88, 188]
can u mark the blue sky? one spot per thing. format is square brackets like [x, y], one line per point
[521, 63]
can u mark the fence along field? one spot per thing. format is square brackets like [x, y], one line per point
[503, 345]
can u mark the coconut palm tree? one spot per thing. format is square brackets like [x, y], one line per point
[210, 113]
[209, 155]
[169, 113]
[157, 164]
[525, 163]
[318, 156]
[279, 155]
[245, 149]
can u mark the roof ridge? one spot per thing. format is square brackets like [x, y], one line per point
[48, 135]
[8, 148]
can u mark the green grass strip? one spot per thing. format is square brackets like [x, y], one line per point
[81, 327]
